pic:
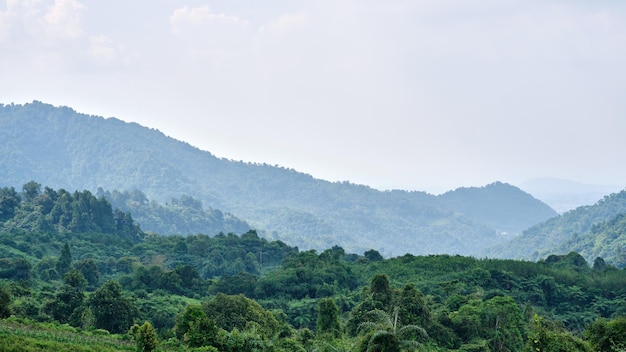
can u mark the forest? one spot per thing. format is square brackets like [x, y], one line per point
[77, 274]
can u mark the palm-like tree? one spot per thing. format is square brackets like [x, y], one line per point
[386, 334]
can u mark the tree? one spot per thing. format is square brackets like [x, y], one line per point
[502, 318]
[385, 332]
[381, 290]
[145, 337]
[9, 200]
[607, 336]
[373, 255]
[112, 310]
[65, 260]
[30, 191]
[5, 301]
[194, 328]
[546, 336]
[235, 312]
[328, 318]
[68, 299]
[89, 269]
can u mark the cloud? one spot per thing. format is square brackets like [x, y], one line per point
[63, 19]
[284, 23]
[51, 34]
[185, 17]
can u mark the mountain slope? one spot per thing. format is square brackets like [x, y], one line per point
[606, 240]
[498, 205]
[560, 234]
[65, 149]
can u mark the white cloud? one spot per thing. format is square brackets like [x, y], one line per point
[285, 23]
[186, 17]
[63, 19]
[51, 34]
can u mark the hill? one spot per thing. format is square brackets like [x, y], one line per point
[568, 232]
[498, 206]
[64, 149]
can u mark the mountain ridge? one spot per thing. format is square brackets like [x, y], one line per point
[86, 152]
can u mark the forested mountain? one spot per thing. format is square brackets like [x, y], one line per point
[592, 230]
[78, 275]
[61, 148]
[498, 206]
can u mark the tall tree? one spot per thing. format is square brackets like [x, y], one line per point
[9, 200]
[65, 260]
[5, 301]
[111, 309]
[385, 332]
[68, 299]
[328, 318]
[30, 191]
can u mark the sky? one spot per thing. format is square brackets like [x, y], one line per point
[425, 95]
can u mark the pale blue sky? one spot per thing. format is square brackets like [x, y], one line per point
[420, 95]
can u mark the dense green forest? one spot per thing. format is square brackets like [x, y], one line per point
[77, 274]
[87, 152]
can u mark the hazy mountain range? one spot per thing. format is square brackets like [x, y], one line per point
[61, 148]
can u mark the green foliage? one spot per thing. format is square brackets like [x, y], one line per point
[546, 336]
[607, 336]
[5, 301]
[112, 310]
[236, 312]
[145, 337]
[328, 318]
[9, 201]
[385, 332]
[64, 308]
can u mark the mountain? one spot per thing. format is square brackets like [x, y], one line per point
[565, 195]
[61, 148]
[567, 232]
[498, 206]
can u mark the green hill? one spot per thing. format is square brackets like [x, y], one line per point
[499, 205]
[584, 229]
[61, 148]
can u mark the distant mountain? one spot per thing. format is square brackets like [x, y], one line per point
[498, 206]
[61, 148]
[565, 233]
[565, 195]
